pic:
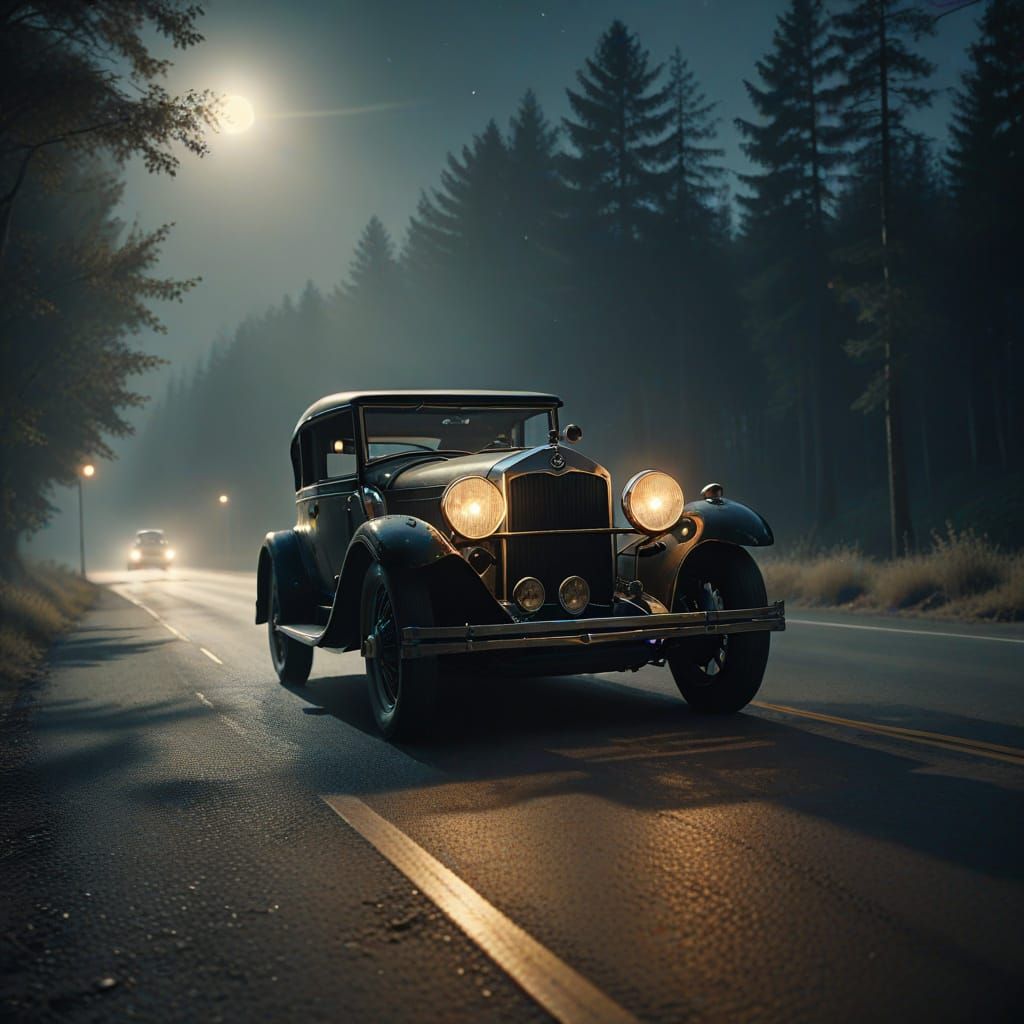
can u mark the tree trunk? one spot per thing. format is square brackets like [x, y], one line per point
[900, 528]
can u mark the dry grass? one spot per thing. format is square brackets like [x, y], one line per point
[962, 575]
[1004, 602]
[35, 607]
[835, 577]
[909, 583]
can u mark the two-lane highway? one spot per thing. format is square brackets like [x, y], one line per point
[849, 848]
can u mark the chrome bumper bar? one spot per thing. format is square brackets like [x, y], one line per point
[429, 641]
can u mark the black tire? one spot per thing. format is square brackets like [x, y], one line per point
[403, 692]
[721, 674]
[292, 660]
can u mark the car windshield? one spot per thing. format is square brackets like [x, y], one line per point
[427, 428]
[149, 537]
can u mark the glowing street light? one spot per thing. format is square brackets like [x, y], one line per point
[88, 471]
[225, 502]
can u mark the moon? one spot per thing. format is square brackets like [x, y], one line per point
[237, 115]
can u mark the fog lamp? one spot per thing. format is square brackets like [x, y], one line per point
[473, 507]
[528, 593]
[574, 594]
[652, 501]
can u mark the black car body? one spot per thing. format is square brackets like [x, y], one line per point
[446, 530]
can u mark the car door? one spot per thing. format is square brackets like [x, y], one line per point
[330, 511]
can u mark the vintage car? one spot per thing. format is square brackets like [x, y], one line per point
[149, 549]
[461, 530]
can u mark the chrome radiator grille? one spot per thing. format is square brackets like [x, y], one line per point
[572, 501]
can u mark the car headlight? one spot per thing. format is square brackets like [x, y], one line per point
[135, 554]
[169, 554]
[473, 507]
[652, 501]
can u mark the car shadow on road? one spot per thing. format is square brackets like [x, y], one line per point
[81, 650]
[504, 744]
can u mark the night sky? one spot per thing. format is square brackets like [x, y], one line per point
[285, 202]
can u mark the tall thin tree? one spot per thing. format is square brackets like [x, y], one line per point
[796, 146]
[882, 84]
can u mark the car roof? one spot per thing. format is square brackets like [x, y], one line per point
[363, 398]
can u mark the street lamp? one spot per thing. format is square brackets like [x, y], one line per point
[88, 471]
[225, 502]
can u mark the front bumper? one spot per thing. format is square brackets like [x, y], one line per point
[430, 641]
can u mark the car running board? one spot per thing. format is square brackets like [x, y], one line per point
[308, 633]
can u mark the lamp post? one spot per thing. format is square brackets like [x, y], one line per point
[225, 503]
[88, 471]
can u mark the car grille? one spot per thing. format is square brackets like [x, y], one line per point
[573, 501]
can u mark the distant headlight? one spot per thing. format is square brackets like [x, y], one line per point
[473, 507]
[169, 554]
[652, 501]
[135, 555]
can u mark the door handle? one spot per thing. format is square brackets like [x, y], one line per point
[314, 510]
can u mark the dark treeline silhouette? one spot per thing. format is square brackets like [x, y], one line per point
[845, 354]
[81, 93]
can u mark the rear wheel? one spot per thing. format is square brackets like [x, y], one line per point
[720, 674]
[402, 690]
[292, 660]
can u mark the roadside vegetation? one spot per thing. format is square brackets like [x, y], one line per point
[37, 603]
[962, 575]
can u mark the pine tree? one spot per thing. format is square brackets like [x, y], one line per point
[461, 220]
[619, 119]
[986, 171]
[785, 225]
[373, 267]
[535, 192]
[882, 85]
[691, 171]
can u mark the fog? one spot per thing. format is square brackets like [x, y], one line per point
[658, 346]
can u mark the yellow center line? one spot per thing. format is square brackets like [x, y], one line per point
[213, 657]
[552, 983]
[979, 748]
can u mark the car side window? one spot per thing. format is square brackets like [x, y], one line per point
[334, 444]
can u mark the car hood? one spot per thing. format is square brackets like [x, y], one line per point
[441, 471]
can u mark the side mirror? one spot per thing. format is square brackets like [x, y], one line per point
[572, 433]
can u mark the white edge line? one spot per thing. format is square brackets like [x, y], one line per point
[551, 982]
[203, 699]
[213, 657]
[166, 625]
[910, 632]
[232, 724]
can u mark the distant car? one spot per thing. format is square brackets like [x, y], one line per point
[150, 549]
[445, 530]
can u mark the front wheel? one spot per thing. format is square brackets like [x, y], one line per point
[292, 660]
[402, 690]
[720, 674]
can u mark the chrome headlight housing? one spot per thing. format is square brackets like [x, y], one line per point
[473, 507]
[652, 501]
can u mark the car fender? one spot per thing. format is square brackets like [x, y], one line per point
[657, 563]
[283, 555]
[403, 545]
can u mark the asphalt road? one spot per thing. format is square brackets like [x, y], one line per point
[184, 839]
